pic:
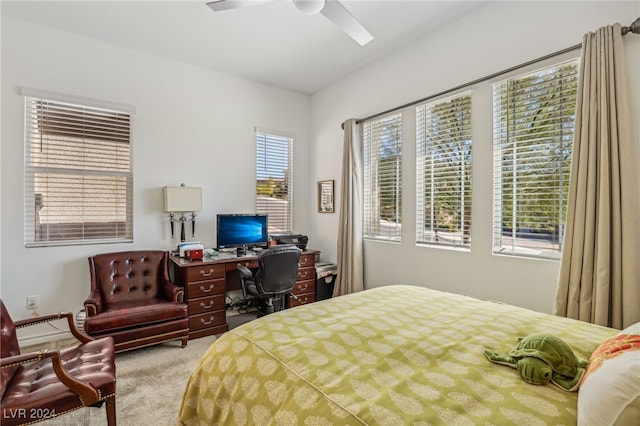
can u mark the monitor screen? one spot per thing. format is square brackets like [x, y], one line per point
[236, 230]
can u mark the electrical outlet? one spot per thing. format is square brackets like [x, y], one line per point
[32, 302]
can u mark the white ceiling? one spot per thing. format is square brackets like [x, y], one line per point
[271, 42]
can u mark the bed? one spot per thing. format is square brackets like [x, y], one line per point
[393, 355]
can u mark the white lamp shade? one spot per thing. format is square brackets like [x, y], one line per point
[182, 199]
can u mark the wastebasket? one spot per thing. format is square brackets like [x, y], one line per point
[326, 274]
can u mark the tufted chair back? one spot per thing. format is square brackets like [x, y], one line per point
[8, 346]
[133, 300]
[129, 276]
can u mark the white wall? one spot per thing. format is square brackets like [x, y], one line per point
[493, 38]
[196, 126]
[192, 125]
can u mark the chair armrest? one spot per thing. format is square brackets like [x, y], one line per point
[171, 291]
[84, 338]
[245, 273]
[15, 360]
[175, 292]
[93, 303]
[85, 391]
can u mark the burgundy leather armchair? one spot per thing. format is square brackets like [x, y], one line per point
[133, 300]
[41, 385]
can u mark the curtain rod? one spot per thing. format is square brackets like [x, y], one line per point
[633, 28]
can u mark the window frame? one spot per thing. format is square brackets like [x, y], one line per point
[83, 125]
[428, 143]
[517, 248]
[263, 135]
[376, 227]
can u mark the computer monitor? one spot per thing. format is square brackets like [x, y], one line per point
[237, 230]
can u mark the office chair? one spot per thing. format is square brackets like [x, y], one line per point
[276, 275]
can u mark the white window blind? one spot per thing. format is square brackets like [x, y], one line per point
[534, 118]
[274, 180]
[383, 178]
[78, 178]
[443, 172]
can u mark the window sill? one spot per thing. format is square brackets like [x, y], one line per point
[527, 254]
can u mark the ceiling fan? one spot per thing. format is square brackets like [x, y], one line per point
[333, 10]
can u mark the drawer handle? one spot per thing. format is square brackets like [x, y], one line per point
[202, 289]
[303, 288]
[206, 322]
[304, 261]
[302, 302]
[202, 305]
[304, 274]
[206, 274]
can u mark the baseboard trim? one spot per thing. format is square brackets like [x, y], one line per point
[41, 339]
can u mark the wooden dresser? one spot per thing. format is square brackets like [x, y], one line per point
[207, 281]
[205, 290]
[305, 288]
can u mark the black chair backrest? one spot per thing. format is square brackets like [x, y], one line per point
[278, 269]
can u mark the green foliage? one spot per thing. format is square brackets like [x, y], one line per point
[270, 187]
[390, 173]
[536, 158]
[447, 164]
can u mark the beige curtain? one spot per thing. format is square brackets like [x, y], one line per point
[350, 255]
[599, 278]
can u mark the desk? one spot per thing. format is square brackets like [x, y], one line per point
[207, 281]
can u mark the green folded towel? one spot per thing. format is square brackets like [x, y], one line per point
[541, 358]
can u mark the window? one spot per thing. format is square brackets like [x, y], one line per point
[383, 178]
[443, 172]
[533, 134]
[274, 179]
[78, 178]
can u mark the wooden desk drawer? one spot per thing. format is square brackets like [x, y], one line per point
[307, 260]
[206, 304]
[211, 319]
[302, 299]
[302, 287]
[205, 288]
[306, 274]
[204, 272]
[251, 264]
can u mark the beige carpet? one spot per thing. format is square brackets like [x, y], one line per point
[149, 387]
[149, 381]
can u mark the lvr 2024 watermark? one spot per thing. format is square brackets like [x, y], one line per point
[28, 413]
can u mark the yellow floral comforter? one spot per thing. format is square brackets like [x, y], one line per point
[394, 355]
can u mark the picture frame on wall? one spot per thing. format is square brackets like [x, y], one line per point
[325, 196]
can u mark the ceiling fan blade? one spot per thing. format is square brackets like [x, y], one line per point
[220, 5]
[339, 15]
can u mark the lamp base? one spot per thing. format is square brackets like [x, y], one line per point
[182, 219]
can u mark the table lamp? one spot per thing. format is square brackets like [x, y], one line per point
[181, 199]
